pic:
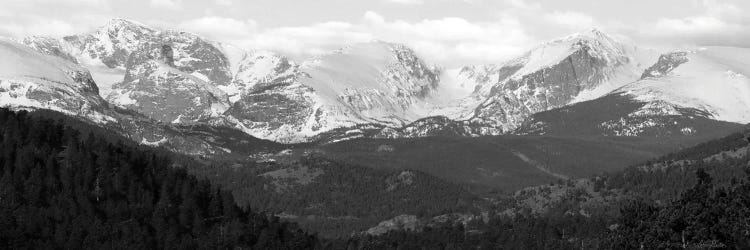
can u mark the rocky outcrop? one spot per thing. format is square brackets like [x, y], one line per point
[112, 43]
[49, 46]
[432, 126]
[259, 71]
[399, 223]
[665, 65]
[592, 60]
[178, 94]
[30, 80]
[369, 83]
[197, 56]
[280, 113]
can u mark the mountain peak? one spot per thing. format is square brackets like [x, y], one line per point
[115, 24]
[597, 32]
[592, 34]
[122, 21]
[595, 42]
[373, 44]
[374, 50]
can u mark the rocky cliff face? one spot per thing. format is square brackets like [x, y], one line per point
[196, 56]
[167, 75]
[174, 78]
[284, 112]
[50, 46]
[104, 51]
[378, 83]
[683, 93]
[258, 71]
[112, 43]
[665, 65]
[550, 76]
[30, 80]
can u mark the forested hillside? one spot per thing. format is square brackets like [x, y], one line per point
[508, 163]
[696, 198]
[703, 217]
[337, 199]
[63, 189]
[333, 199]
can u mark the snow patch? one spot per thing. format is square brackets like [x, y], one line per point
[707, 82]
[146, 142]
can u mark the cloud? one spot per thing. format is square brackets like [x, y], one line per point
[304, 41]
[40, 26]
[406, 2]
[571, 19]
[167, 4]
[223, 2]
[20, 18]
[721, 23]
[448, 32]
[690, 25]
[452, 40]
[544, 24]
[89, 3]
[449, 41]
[372, 17]
[216, 27]
[297, 41]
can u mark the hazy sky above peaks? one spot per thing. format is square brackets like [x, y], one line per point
[447, 32]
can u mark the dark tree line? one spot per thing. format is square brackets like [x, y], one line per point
[60, 189]
[343, 198]
[703, 217]
[703, 203]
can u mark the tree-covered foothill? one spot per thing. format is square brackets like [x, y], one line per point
[61, 189]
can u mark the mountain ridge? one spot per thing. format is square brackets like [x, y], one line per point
[376, 85]
[684, 92]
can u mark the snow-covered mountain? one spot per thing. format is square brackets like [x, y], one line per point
[683, 92]
[365, 83]
[256, 70]
[380, 89]
[174, 77]
[496, 99]
[111, 44]
[30, 80]
[104, 51]
[712, 79]
[576, 68]
[180, 77]
[127, 60]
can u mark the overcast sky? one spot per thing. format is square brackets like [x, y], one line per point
[447, 32]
